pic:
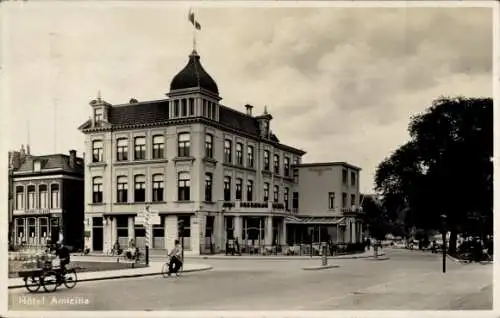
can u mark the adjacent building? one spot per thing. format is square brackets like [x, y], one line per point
[187, 157]
[47, 198]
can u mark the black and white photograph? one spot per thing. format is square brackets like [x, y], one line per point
[268, 156]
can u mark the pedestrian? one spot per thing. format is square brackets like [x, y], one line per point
[237, 245]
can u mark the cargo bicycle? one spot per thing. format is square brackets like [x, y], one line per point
[48, 277]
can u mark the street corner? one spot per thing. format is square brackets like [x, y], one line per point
[320, 267]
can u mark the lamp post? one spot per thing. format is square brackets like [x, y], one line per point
[311, 233]
[443, 223]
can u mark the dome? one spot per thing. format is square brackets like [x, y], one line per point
[193, 75]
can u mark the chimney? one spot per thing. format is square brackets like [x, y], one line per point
[28, 153]
[249, 109]
[72, 158]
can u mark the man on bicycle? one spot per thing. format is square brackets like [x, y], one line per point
[64, 257]
[175, 258]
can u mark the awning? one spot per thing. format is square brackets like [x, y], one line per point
[314, 220]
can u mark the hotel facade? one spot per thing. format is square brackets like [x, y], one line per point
[222, 172]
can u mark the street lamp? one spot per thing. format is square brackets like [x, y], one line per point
[311, 233]
[443, 224]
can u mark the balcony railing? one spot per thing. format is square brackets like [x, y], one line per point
[252, 205]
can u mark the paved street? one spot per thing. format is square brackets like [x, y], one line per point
[408, 280]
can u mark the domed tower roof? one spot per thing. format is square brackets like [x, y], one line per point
[193, 75]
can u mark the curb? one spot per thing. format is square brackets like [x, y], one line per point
[270, 257]
[315, 268]
[378, 258]
[126, 276]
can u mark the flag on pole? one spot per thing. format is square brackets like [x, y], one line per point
[193, 21]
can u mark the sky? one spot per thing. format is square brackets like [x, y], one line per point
[341, 83]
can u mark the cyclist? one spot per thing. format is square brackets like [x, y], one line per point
[175, 258]
[64, 258]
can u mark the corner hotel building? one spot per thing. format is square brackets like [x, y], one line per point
[222, 171]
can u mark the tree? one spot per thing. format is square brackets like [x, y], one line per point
[445, 167]
[375, 217]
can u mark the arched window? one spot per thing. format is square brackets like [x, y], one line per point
[139, 188]
[55, 198]
[43, 196]
[122, 149]
[31, 197]
[227, 188]
[158, 186]
[158, 146]
[121, 189]
[184, 186]
[19, 198]
[97, 190]
[184, 145]
[97, 151]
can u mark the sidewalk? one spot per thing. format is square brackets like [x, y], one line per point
[153, 269]
[160, 254]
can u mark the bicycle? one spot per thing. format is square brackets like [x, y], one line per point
[54, 278]
[165, 269]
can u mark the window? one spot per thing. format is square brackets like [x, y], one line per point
[228, 151]
[97, 151]
[344, 200]
[122, 189]
[97, 190]
[98, 114]
[353, 178]
[266, 160]
[266, 191]
[122, 149]
[54, 196]
[353, 200]
[158, 147]
[208, 187]
[295, 200]
[276, 193]
[140, 188]
[331, 200]
[249, 190]
[227, 188]
[176, 108]
[344, 176]
[286, 198]
[209, 146]
[276, 164]
[31, 197]
[191, 107]
[37, 166]
[239, 183]
[140, 148]
[184, 186]
[183, 107]
[295, 161]
[158, 187]
[184, 144]
[250, 157]
[204, 108]
[239, 154]
[229, 220]
[19, 198]
[286, 166]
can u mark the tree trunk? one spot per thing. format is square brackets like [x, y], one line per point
[452, 247]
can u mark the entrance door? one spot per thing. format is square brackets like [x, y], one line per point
[97, 238]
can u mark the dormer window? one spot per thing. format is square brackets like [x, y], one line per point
[37, 166]
[98, 115]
